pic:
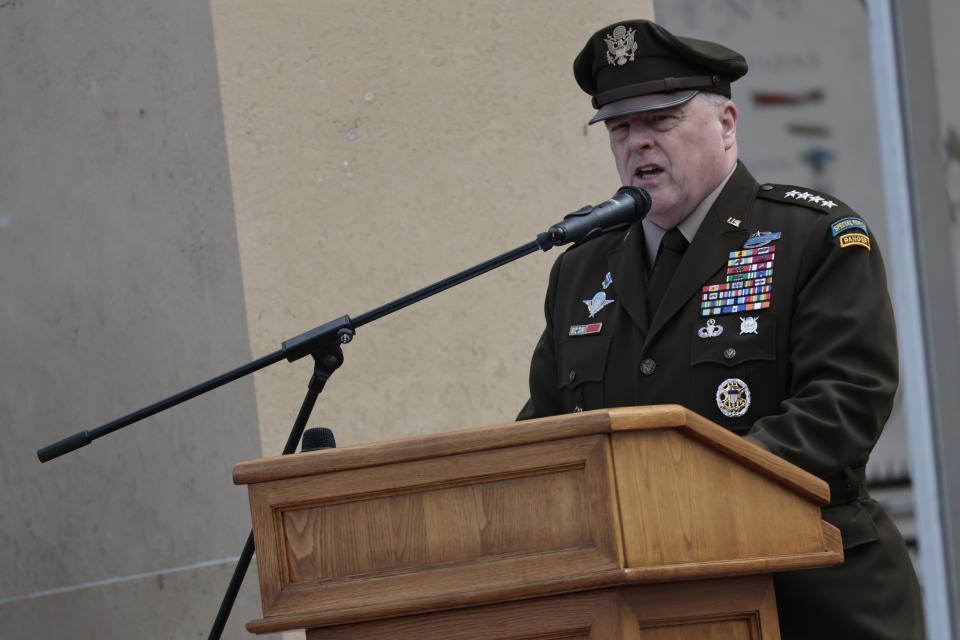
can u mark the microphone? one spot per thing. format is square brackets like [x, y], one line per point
[316, 439]
[628, 204]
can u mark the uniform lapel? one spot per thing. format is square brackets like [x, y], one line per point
[708, 252]
[626, 265]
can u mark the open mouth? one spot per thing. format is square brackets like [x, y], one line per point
[647, 171]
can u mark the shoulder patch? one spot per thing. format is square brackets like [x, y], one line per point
[850, 223]
[798, 195]
[855, 240]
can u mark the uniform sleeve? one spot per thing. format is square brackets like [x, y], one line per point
[544, 393]
[843, 359]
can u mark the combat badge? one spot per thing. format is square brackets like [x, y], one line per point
[761, 239]
[733, 397]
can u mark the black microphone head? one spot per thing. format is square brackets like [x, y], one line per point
[640, 197]
[318, 438]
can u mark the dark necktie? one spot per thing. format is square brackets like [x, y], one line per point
[671, 251]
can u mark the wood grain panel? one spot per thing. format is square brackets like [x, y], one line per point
[689, 504]
[736, 629]
[729, 609]
[586, 616]
[476, 522]
[735, 609]
[439, 530]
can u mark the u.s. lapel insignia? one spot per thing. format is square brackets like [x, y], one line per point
[734, 222]
[596, 303]
[712, 330]
[733, 397]
[607, 280]
[749, 325]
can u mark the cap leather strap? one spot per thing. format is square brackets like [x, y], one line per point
[664, 85]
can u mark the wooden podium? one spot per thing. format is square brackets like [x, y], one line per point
[642, 523]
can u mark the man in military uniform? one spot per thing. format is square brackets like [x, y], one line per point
[762, 307]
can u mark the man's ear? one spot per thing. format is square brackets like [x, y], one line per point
[728, 124]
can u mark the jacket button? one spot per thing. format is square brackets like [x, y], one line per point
[572, 375]
[648, 366]
[729, 353]
[766, 187]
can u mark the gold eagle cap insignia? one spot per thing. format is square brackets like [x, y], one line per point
[621, 46]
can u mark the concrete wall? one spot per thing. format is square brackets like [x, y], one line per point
[120, 281]
[182, 187]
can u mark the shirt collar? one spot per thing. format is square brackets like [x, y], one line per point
[652, 234]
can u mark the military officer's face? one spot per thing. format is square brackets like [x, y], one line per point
[679, 155]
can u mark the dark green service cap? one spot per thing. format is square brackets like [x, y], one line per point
[638, 65]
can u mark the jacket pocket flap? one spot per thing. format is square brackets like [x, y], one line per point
[733, 339]
[582, 359]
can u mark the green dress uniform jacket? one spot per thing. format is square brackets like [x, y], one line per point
[810, 372]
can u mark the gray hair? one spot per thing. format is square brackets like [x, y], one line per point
[713, 99]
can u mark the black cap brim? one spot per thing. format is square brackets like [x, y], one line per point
[640, 104]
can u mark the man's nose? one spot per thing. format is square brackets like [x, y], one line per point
[641, 137]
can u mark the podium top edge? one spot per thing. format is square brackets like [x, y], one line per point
[561, 427]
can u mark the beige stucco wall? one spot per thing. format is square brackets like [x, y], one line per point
[378, 147]
[183, 186]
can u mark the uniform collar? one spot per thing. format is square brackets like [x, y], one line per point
[652, 233]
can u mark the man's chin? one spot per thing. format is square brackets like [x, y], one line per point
[665, 219]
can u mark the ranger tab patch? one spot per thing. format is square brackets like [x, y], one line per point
[855, 239]
[852, 231]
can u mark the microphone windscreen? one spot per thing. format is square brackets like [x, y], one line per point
[318, 438]
[640, 197]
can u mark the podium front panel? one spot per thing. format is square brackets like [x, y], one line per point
[440, 529]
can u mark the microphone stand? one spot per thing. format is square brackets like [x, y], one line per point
[323, 343]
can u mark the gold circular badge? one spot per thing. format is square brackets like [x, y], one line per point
[733, 397]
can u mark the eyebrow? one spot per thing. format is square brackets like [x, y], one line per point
[674, 110]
